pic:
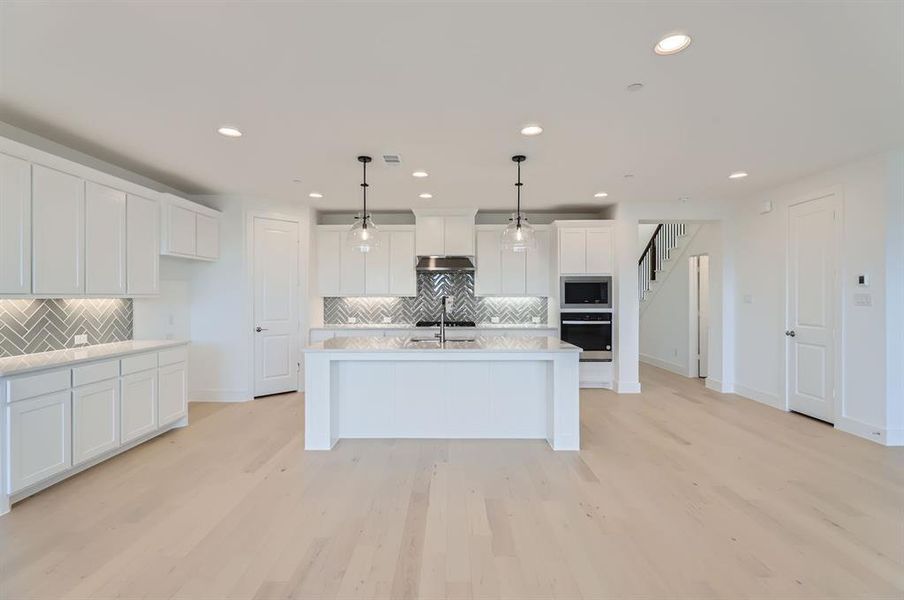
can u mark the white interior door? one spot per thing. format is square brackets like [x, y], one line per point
[275, 306]
[812, 242]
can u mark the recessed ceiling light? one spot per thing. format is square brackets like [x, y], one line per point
[738, 175]
[672, 44]
[635, 87]
[600, 195]
[419, 174]
[425, 196]
[315, 195]
[297, 180]
[229, 131]
[629, 175]
[531, 130]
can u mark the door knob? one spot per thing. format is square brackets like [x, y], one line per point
[790, 333]
[259, 329]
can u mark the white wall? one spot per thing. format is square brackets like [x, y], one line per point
[664, 317]
[168, 316]
[644, 233]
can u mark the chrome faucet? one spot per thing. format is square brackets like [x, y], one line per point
[442, 322]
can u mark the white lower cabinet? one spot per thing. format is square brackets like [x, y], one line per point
[138, 405]
[172, 382]
[95, 420]
[39, 443]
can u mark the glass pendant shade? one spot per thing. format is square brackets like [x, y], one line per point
[519, 236]
[363, 236]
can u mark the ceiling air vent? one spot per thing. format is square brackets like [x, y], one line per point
[392, 159]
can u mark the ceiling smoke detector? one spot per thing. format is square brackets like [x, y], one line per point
[392, 159]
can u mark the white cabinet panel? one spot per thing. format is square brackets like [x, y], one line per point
[138, 412]
[513, 272]
[328, 245]
[572, 251]
[207, 237]
[430, 236]
[40, 439]
[537, 268]
[458, 236]
[29, 386]
[402, 260]
[95, 372]
[105, 240]
[95, 420]
[351, 271]
[376, 266]
[142, 249]
[15, 226]
[488, 276]
[182, 230]
[172, 393]
[599, 251]
[58, 225]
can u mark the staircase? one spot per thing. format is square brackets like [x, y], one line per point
[663, 242]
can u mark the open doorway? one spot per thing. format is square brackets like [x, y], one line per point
[698, 316]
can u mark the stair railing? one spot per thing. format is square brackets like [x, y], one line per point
[657, 251]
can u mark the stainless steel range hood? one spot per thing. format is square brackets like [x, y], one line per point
[444, 264]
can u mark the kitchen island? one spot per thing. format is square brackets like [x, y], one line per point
[401, 387]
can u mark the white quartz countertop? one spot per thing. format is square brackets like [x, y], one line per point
[409, 326]
[25, 363]
[538, 344]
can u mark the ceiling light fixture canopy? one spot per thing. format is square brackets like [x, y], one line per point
[518, 235]
[363, 234]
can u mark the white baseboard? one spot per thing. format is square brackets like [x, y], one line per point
[627, 387]
[766, 398]
[668, 365]
[718, 386]
[220, 396]
[879, 435]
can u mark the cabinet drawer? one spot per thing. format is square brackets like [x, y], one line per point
[96, 372]
[172, 356]
[30, 386]
[142, 362]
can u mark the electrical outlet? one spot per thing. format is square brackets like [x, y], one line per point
[863, 299]
[494, 319]
[353, 319]
[535, 320]
[80, 339]
[387, 319]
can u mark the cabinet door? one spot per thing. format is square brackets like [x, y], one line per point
[599, 251]
[207, 236]
[142, 246]
[537, 268]
[181, 230]
[105, 240]
[402, 277]
[95, 420]
[39, 441]
[572, 251]
[430, 233]
[15, 226]
[514, 272]
[58, 221]
[173, 393]
[376, 267]
[459, 236]
[351, 270]
[328, 245]
[138, 405]
[488, 276]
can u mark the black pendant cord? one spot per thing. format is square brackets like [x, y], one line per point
[518, 158]
[364, 160]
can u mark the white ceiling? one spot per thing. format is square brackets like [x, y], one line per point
[777, 89]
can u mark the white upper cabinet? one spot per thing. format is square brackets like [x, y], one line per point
[105, 240]
[387, 270]
[190, 230]
[445, 232]
[58, 220]
[506, 273]
[585, 249]
[15, 226]
[142, 246]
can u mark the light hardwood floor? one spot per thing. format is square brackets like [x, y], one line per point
[678, 493]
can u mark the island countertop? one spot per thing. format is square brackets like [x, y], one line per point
[414, 344]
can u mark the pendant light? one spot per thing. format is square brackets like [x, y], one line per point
[363, 234]
[519, 234]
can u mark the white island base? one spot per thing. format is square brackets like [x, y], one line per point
[500, 388]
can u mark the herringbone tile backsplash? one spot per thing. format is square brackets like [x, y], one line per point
[28, 326]
[426, 306]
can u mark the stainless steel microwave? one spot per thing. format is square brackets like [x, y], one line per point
[585, 291]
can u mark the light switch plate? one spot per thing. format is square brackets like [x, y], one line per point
[494, 319]
[80, 339]
[535, 319]
[863, 299]
[387, 319]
